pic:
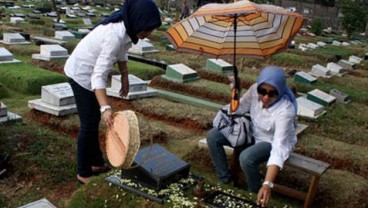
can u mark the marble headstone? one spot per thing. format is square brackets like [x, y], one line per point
[321, 97]
[303, 77]
[218, 65]
[309, 109]
[51, 52]
[64, 35]
[14, 39]
[6, 57]
[320, 71]
[180, 73]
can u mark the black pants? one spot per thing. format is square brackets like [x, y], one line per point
[88, 150]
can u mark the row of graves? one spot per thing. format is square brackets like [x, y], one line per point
[312, 46]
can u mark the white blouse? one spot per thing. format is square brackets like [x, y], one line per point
[95, 55]
[275, 124]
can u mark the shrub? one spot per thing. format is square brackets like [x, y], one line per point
[316, 26]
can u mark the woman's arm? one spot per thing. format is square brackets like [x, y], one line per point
[123, 68]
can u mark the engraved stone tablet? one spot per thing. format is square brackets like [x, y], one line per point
[355, 59]
[340, 96]
[157, 168]
[320, 71]
[303, 77]
[335, 68]
[346, 64]
[64, 35]
[309, 109]
[218, 65]
[321, 97]
[180, 73]
[42, 203]
[58, 94]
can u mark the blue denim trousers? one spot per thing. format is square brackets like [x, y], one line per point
[250, 158]
[88, 147]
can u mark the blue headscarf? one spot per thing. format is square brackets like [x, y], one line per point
[138, 16]
[275, 77]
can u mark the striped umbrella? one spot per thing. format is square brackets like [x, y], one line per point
[240, 28]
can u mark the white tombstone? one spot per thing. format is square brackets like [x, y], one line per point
[303, 77]
[6, 115]
[303, 47]
[346, 64]
[14, 39]
[142, 47]
[336, 69]
[321, 44]
[82, 30]
[320, 71]
[87, 21]
[6, 57]
[64, 35]
[336, 43]
[180, 73]
[137, 88]
[218, 65]
[42, 203]
[51, 52]
[309, 109]
[16, 20]
[312, 46]
[355, 59]
[345, 44]
[321, 97]
[56, 99]
[340, 96]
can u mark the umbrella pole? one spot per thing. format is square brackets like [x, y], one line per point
[235, 93]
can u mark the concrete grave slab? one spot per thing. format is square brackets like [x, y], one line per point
[14, 39]
[321, 97]
[64, 35]
[321, 44]
[180, 73]
[87, 21]
[6, 57]
[58, 94]
[6, 115]
[320, 71]
[345, 44]
[355, 59]
[42, 203]
[44, 40]
[336, 69]
[312, 46]
[336, 43]
[137, 88]
[39, 105]
[346, 64]
[51, 52]
[303, 77]
[303, 47]
[142, 47]
[218, 65]
[15, 20]
[340, 96]
[83, 30]
[309, 109]
[4, 110]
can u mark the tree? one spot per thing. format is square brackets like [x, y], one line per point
[354, 15]
[316, 26]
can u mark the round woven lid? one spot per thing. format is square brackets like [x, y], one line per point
[122, 139]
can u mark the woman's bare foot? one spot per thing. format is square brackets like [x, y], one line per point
[84, 180]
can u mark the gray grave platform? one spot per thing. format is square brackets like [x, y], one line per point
[137, 88]
[6, 115]
[320, 71]
[336, 69]
[303, 77]
[321, 97]
[64, 35]
[6, 57]
[218, 65]
[340, 96]
[56, 99]
[14, 39]
[346, 64]
[142, 47]
[42, 203]
[309, 109]
[51, 52]
[45, 40]
[180, 73]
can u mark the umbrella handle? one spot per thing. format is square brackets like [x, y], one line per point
[234, 104]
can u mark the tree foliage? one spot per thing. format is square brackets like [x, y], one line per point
[355, 15]
[330, 3]
[316, 26]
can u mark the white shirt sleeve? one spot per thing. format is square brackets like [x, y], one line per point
[110, 49]
[246, 99]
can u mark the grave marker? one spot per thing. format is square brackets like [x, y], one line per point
[42, 203]
[303, 77]
[137, 88]
[218, 65]
[312, 46]
[340, 96]
[6, 115]
[355, 59]
[180, 73]
[87, 21]
[346, 64]
[309, 109]
[320, 71]
[16, 20]
[7, 57]
[321, 97]
[142, 47]
[64, 35]
[336, 43]
[321, 44]
[303, 47]
[336, 69]
[345, 44]
[51, 52]
[14, 39]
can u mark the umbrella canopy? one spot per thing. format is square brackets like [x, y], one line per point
[261, 30]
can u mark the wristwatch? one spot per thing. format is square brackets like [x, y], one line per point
[269, 184]
[104, 108]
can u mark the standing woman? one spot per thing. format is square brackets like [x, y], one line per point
[88, 68]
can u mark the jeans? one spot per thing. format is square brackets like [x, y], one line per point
[88, 151]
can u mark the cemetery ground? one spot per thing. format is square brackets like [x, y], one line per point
[40, 151]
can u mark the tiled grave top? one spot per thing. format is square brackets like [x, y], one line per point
[5, 55]
[308, 108]
[53, 50]
[304, 77]
[64, 35]
[13, 38]
[321, 97]
[57, 94]
[340, 96]
[4, 110]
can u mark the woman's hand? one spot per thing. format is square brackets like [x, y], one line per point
[264, 195]
[107, 117]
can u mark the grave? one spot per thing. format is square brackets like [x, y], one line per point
[340, 96]
[355, 59]
[218, 65]
[14, 39]
[6, 57]
[303, 77]
[16, 20]
[56, 99]
[321, 97]
[170, 47]
[303, 47]
[64, 35]
[309, 109]
[336, 69]
[345, 44]
[142, 47]
[320, 71]
[321, 44]
[336, 43]
[312, 46]
[6, 115]
[44, 40]
[87, 21]
[366, 56]
[180, 73]
[51, 52]
[346, 64]
[137, 88]
[42, 203]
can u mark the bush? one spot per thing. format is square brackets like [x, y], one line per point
[316, 26]
[4, 92]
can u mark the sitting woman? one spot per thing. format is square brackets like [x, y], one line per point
[272, 106]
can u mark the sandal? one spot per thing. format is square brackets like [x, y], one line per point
[83, 180]
[97, 170]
